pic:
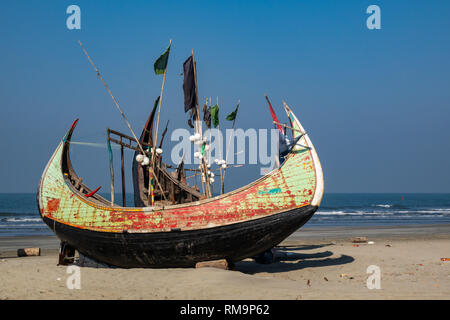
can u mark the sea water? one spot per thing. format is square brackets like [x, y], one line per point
[19, 215]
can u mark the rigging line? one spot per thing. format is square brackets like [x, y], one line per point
[120, 110]
[114, 99]
[96, 145]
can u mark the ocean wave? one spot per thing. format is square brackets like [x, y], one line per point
[354, 213]
[21, 219]
[415, 216]
[430, 212]
[22, 225]
[383, 205]
[440, 209]
[401, 213]
[11, 213]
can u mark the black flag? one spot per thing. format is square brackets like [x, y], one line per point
[189, 84]
[207, 115]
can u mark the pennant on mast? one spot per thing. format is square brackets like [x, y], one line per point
[215, 115]
[160, 64]
[190, 99]
[274, 116]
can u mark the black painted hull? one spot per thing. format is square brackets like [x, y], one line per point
[233, 242]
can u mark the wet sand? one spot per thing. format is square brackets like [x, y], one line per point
[313, 263]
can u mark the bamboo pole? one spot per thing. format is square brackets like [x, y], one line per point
[209, 153]
[220, 153]
[111, 167]
[288, 127]
[151, 191]
[228, 147]
[123, 177]
[203, 168]
[114, 99]
[116, 103]
[195, 179]
[159, 108]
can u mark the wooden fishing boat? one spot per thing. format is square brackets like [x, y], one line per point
[232, 226]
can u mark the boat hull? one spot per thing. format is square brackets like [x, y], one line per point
[232, 226]
[233, 242]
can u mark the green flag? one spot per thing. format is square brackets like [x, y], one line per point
[161, 64]
[215, 115]
[232, 115]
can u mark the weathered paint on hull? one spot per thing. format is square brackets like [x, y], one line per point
[184, 248]
[235, 225]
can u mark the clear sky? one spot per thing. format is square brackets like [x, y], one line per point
[374, 102]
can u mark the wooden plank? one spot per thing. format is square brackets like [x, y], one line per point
[26, 252]
[359, 240]
[172, 192]
[220, 264]
[123, 177]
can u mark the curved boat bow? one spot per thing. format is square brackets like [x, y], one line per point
[231, 226]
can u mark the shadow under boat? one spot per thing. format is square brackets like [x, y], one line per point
[292, 259]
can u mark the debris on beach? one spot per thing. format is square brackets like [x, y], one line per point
[370, 242]
[445, 259]
[388, 245]
[220, 264]
[356, 245]
[26, 252]
[308, 283]
[359, 240]
[325, 278]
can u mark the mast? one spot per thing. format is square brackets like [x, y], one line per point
[228, 147]
[151, 168]
[198, 129]
[220, 152]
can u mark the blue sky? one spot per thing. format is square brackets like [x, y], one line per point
[375, 102]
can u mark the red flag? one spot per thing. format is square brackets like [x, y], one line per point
[274, 117]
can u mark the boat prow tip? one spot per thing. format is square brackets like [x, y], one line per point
[69, 133]
[74, 124]
[318, 195]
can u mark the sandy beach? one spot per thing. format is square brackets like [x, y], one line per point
[312, 263]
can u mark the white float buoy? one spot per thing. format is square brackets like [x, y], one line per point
[139, 158]
[146, 161]
[159, 151]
